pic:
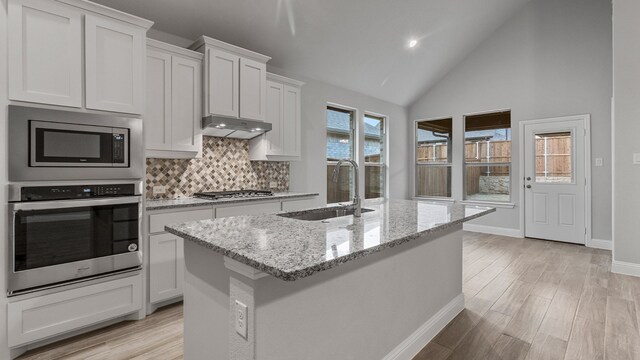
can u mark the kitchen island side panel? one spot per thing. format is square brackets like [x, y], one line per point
[360, 310]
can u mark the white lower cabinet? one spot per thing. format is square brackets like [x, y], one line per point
[166, 251]
[248, 209]
[166, 265]
[41, 317]
[296, 205]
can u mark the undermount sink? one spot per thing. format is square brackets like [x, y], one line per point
[322, 214]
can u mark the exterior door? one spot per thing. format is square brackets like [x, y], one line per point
[555, 179]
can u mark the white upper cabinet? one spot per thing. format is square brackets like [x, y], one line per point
[186, 113]
[48, 58]
[291, 122]
[157, 117]
[222, 83]
[45, 56]
[235, 80]
[275, 108]
[173, 110]
[253, 86]
[114, 62]
[283, 101]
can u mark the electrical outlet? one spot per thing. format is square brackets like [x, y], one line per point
[241, 319]
[159, 189]
[598, 161]
[273, 184]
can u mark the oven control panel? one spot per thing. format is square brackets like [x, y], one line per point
[69, 192]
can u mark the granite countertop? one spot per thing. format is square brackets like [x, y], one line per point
[163, 204]
[292, 249]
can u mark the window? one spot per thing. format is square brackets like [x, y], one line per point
[374, 161]
[340, 145]
[487, 152]
[433, 157]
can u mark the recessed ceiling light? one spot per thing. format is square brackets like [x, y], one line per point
[222, 125]
[413, 43]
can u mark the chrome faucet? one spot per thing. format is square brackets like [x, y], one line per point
[356, 197]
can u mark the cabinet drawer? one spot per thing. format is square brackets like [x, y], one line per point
[157, 222]
[249, 209]
[295, 205]
[49, 315]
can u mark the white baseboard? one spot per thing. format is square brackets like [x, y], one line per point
[493, 230]
[427, 331]
[599, 244]
[625, 268]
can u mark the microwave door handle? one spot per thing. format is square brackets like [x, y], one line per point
[67, 204]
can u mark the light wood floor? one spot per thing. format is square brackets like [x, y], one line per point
[525, 299]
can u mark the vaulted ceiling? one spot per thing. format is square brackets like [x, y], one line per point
[360, 45]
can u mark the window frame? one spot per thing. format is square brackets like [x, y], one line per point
[449, 164]
[354, 146]
[485, 164]
[384, 153]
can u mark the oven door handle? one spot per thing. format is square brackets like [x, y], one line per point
[67, 204]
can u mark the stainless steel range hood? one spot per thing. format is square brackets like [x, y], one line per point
[228, 127]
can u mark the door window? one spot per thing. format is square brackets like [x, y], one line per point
[554, 158]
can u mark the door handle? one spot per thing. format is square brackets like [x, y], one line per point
[528, 186]
[528, 178]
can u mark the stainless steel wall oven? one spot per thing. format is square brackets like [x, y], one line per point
[64, 233]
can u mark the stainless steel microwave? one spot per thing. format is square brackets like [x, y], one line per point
[47, 144]
[53, 144]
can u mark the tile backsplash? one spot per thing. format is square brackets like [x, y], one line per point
[224, 165]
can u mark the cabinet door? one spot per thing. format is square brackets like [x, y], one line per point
[45, 53]
[275, 102]
[166, 267]
[253, 90]
[114, 56]
[291, 122]
[223, 83]
[157, 117]
[186, 133]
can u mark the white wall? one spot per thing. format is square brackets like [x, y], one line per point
[4, 351]
[553, 58]
[309, 174]
[626, 129]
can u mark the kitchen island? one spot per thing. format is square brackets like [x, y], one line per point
[273, 287]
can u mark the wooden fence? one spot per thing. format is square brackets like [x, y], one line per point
[433, 180]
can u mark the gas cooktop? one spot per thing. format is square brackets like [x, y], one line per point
[212, 195]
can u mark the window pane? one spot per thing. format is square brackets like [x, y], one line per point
[488, 146]
[374, 157]
[553, 158]
[433, 180]
[339, 191]
[488, 138]
[487, 183]
[374, 181]
[340, 142]
[433, 141]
